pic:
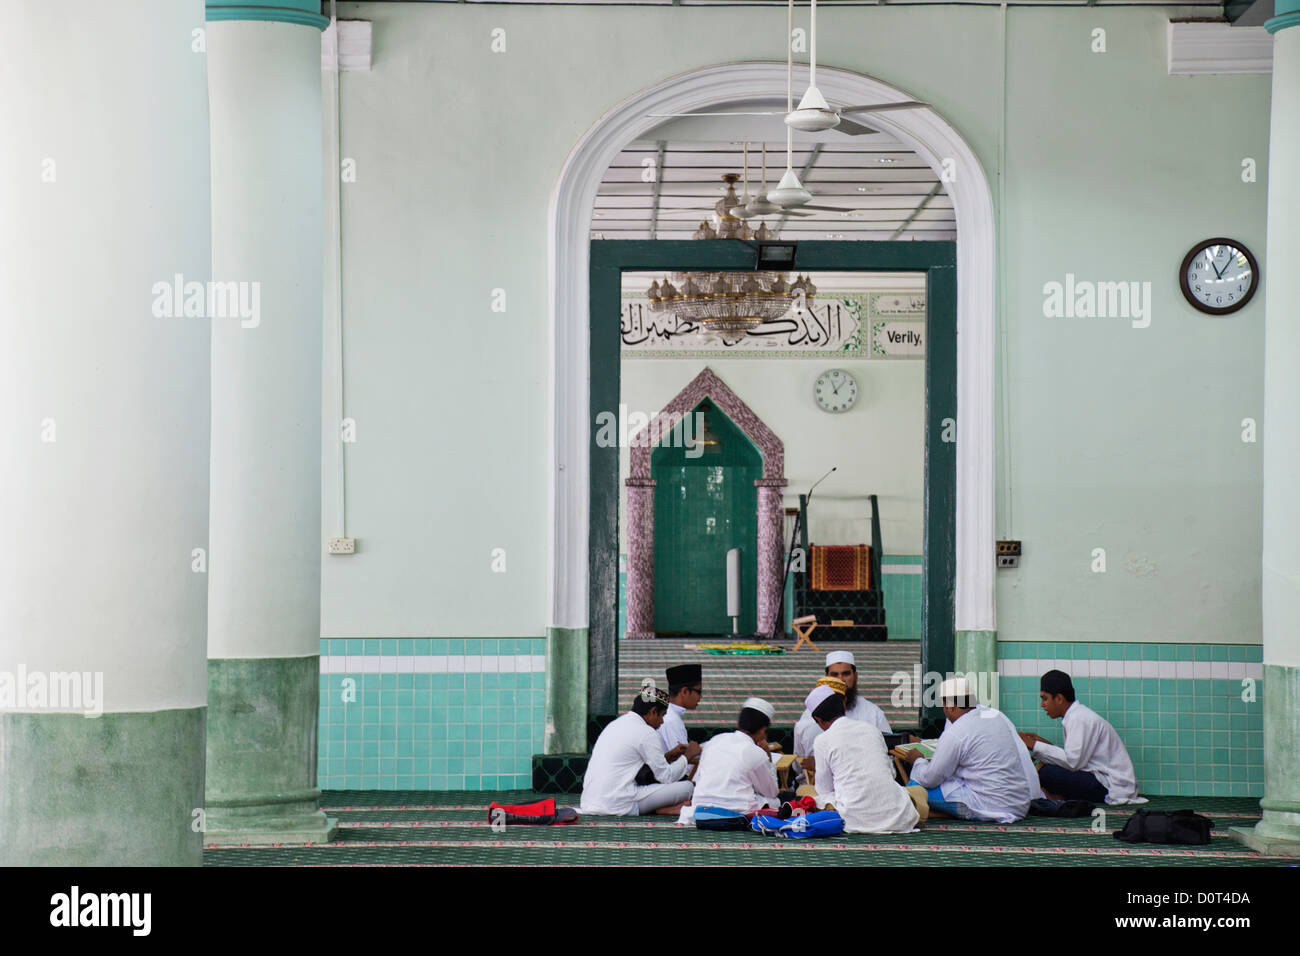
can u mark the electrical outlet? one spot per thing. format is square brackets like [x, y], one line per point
[1009, 554]
[342, 546]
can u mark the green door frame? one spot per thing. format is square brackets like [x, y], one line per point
[610, 258]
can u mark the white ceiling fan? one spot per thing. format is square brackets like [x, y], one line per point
[813, 115]
[760, 205]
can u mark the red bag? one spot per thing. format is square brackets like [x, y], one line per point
[541, 813]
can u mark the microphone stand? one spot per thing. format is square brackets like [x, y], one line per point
[789, 555]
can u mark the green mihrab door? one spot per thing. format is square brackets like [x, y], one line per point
[704, 506]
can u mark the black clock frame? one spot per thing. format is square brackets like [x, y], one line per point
[1209, 309]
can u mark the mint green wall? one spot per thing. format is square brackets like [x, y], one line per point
[1114, 437]
[1121, 438]
[1191, 716]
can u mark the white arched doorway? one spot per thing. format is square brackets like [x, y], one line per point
[570, 223]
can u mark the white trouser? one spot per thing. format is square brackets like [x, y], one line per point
[658, 795]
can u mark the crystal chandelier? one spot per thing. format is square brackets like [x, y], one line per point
[728, 305]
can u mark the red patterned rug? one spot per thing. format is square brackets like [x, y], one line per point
[839, 567]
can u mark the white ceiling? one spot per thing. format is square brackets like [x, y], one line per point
[890, 191]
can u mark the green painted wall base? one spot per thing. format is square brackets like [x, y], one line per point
[114, 790]
[261, 747]
[1278, 832]
[566, 690]
[976, 653]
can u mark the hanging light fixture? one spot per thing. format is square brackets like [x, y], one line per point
[727, 306]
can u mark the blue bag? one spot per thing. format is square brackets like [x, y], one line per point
[819, 824]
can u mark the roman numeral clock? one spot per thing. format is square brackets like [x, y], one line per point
[1219, 276]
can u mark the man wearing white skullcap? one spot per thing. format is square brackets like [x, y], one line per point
[854, 774]
[736, 770]
[841, 666]
[979, 770]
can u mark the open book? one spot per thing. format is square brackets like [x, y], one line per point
[925, 746]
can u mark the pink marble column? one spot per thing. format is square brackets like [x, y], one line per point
[769, 554]
[640, 558]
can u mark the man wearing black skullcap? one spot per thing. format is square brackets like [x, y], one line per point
[626, 745]
[1093, 764]
[685, 690]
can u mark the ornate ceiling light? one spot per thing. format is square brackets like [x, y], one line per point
[728, 305]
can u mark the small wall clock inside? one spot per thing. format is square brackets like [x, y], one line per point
[835, 390]
[1219, 276]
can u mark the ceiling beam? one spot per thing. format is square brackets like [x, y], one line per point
[917, 211]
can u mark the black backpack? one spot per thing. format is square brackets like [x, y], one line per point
[1061, 808]
[1163, 826]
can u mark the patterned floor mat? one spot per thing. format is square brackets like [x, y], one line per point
[423, 828]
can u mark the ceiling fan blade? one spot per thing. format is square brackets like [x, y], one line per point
[850, 128]
[827, 208]
[680, 115]
[882, 107]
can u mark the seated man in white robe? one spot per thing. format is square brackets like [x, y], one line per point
[1093, 764]
[979, 769]
[631, 741]
[736, 770]
[841, 666]
[854, 774]
[685, 691]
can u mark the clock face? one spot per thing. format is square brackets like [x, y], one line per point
[1219, 276]
[836, 390]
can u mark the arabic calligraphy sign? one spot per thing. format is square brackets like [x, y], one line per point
[837, 326]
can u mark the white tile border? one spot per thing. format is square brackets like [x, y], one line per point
[1168, 670]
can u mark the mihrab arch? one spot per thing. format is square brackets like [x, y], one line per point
[641, 503]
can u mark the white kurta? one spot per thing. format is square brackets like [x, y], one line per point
[1092, 745]
[609, 785]
[855, 774]
[980, 762]
[735, 773]
[863, 710]
[673, 730]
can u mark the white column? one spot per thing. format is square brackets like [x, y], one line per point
[267, 230]
[103, 432]
[1278, 832]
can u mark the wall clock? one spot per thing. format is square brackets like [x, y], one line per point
[835, 390]
[1219, 276]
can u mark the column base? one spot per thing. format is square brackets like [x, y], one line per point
[121, 789]
[262, 715]
[976, 655]
[566, 690]
[269, 818]
[1269, 838]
